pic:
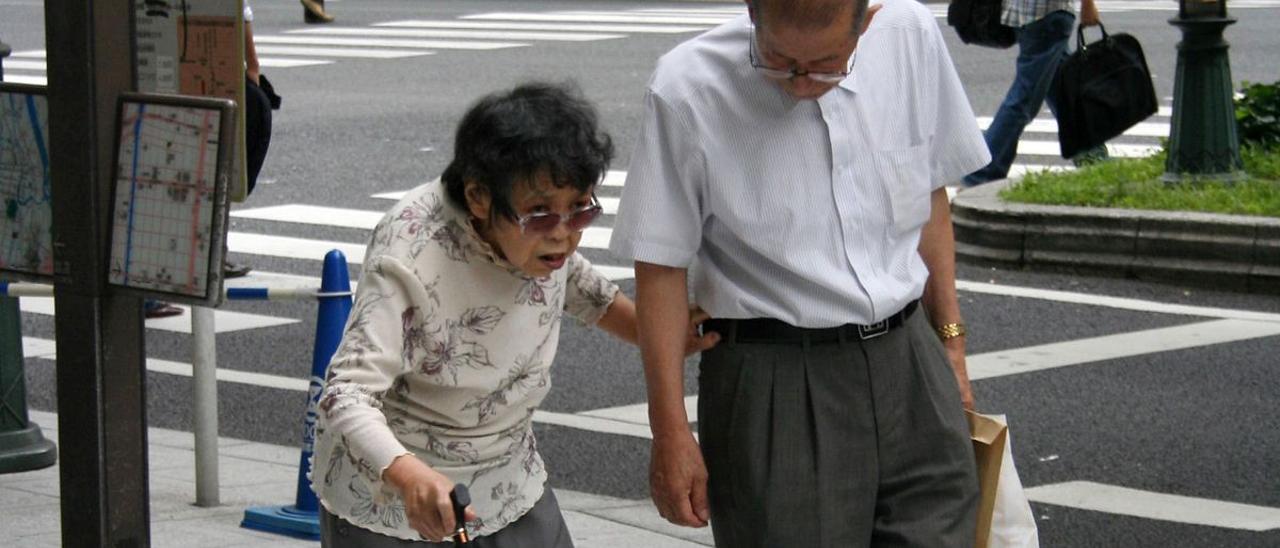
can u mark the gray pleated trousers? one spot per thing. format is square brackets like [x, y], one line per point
[839, 445]
[541, 527]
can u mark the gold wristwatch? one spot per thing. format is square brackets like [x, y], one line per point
[950, 331]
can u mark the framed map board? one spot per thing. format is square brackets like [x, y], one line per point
[169, 196]
[193, 47]
[26, 212]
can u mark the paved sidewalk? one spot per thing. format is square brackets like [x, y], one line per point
[258, 474]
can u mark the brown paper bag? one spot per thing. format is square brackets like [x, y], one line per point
[989, 435]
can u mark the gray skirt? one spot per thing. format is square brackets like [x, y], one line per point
[541, 527]
[845, 444]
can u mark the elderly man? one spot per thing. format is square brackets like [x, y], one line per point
[794, 160]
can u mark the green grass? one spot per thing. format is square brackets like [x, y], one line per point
[1135, 184]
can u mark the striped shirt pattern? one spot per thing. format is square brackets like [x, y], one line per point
[1021, 12]
[805, 211]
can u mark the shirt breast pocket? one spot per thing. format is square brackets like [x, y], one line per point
[905, 172]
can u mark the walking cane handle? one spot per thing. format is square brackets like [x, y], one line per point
[461, 499]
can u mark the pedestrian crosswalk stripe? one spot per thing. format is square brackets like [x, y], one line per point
[46, 349]
[1021, 360]
[566, 27]
[614, 17]
[727, 10]
[1052, 148]
[1142, 129]
[286, 62]
[30, 54]
[291, 248]
[225, 320]
[592, 237]
[14, 64]
[386, 42]
[1112, 347]
[1018, 170]
[367, 53]
[706, 18]
[394, 196]
[314, 250]
[315, 215]
[614, 178]
[1113, 499]
[451, 33]
[262, 278]
[14, 78]
[609, 203]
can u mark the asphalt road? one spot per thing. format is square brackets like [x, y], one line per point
[1198, 422]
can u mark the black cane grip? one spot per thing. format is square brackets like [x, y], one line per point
[461, 499]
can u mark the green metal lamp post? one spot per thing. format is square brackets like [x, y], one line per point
[1204, 143]
[22, 447]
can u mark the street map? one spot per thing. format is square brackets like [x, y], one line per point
[165, 198]
[26, 221]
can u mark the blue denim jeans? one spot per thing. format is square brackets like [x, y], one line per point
[1042, 45]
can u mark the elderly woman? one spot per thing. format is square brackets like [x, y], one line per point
[449, 347]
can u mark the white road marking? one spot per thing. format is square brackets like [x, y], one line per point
[29, 54]
[460, 33]
[386, 42]
[1113, 347]
[291, 248]
[631, 29]
[283, 62]
[1112, 499]
[639, 413]
[727, 10]
[1115, 302]
[47, 349]
[1040, 125]
[20, 64]
[614, 178]
[1116, 150]
[314, 215]
[314, 250]
[360, 53]
[593, 424]
[604, 17]
[1018, 170]
[225, 320]
[593, 237]
[1022, 360]
[25, 79]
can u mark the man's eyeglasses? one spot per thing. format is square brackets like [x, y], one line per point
[544, 222]
[787, 74]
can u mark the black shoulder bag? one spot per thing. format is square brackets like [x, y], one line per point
[1102, 89]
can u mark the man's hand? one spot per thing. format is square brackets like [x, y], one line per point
[695, 343]
[426, 497]
[1089, 14]
[678, 481]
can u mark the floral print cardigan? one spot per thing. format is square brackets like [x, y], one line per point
[446, 355]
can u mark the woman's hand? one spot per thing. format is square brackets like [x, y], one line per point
[426, 497]
[695, 342]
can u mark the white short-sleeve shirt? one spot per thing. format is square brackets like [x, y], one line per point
[809, 212]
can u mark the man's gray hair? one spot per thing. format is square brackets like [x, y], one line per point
[807, 14]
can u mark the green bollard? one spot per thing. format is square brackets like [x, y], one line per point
[22, 446]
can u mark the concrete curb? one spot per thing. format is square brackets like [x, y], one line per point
[1234, 252]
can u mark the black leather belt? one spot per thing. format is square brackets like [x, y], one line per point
[771, 331]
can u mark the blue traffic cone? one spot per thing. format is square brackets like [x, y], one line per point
[302, 519]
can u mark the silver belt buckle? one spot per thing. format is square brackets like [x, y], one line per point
[874, 330]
